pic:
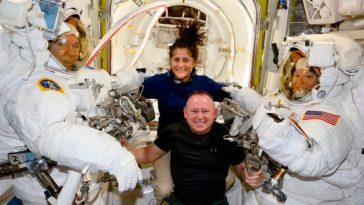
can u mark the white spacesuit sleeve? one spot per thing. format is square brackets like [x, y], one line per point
[246, 97]
[100, 80]
[285, 144]
[76, 146]
[332, 145]
[45, 122]
[32, 46]
[279, 140]
[129, 77]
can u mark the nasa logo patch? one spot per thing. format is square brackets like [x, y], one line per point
[46, 84]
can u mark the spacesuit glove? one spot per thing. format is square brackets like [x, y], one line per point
[245, 96]
[280, 140]
[130, 77]
[126, 170]
[36, 48]
[35, 18]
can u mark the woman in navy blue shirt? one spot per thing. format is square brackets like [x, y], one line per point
[172, 89]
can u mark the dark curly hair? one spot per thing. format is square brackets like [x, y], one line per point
[189, 36]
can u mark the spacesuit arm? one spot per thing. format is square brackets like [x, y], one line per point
[331, 146]
[45, 122]
[77, 146]
[129, 77]
[245, 96]
[279, 140]
[285, 144]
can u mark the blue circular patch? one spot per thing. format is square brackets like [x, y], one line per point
[49, 84]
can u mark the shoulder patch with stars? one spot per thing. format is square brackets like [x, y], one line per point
[46, 84]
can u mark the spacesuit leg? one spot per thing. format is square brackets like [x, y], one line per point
[254, 197]
[234, 194]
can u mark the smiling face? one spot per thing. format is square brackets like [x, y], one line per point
[303, 82]
[66, 50]
[182, 64]
[200, 113]
[304, 78]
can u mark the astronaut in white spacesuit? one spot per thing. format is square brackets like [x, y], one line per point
[40, 109]
[354, 106]
[316, 138]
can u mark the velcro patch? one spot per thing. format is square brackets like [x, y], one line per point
[46, 84]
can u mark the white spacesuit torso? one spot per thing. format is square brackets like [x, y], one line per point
[327, 172]
[353, 106]
[56, 96]
[10, 141]
[41, 110]
[88, 87]
[327, 167]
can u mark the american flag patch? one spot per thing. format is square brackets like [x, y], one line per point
[320, 115]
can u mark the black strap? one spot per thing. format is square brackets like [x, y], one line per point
[172, 200]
